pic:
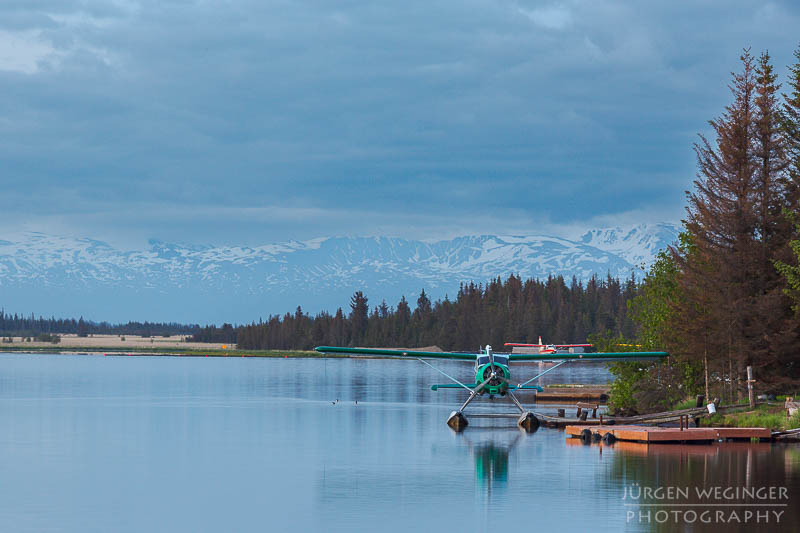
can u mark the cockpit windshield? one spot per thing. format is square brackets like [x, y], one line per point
[499, 359]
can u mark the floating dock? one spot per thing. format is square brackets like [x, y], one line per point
[662, 434]
[701, 449]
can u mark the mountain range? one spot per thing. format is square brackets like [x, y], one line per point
[65, 276]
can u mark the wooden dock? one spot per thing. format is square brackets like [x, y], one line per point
[670, 434]
[702, 449]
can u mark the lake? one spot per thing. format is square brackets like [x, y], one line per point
[94, 443]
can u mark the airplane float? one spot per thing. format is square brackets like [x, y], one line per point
[493, 374]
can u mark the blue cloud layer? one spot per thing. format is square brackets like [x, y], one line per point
[254, 121]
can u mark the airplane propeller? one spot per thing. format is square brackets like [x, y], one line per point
[494, 372]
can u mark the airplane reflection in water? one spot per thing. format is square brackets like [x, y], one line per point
[491, 448]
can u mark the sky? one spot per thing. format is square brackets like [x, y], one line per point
[248, 122]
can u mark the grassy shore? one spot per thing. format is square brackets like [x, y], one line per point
[765, 415]
[177, 345]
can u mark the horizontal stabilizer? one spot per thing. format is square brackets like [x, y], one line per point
[452, 386]
[473, 385]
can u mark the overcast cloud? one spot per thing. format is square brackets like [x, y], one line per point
[243, 122]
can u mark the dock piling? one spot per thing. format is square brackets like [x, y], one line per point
[750, 382]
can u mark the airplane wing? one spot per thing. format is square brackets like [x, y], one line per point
[398, 353]
[586, 357]
[523, 345]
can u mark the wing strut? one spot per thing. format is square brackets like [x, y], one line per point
[540, 374]
[474, 392]
[442, 372]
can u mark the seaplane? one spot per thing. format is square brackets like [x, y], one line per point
[549, 348]
[493, 375]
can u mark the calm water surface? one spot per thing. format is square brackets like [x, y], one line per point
[92, 443]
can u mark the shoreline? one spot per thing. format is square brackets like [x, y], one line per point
[164, 352]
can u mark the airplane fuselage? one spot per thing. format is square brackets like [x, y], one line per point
[484, 369]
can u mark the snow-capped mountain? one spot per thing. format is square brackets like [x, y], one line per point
[637, 244]
[49, 274]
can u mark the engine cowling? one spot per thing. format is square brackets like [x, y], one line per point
[496, 383]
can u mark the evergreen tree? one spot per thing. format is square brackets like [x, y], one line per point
[402, 323]
[791, 132]
[359, 310]
[422, 320]
[83, 328]
[732, 308]
[789, 266]
[722, 220]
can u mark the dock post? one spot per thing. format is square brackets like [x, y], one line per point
[700, 402]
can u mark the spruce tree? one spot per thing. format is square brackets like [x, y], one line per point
[791, 131]
[722, 222]
[359, 310]
[734, 312]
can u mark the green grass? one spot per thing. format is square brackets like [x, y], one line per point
[772, 416]
[688, 403]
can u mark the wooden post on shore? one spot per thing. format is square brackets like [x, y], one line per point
[750, 382]
[700, 401]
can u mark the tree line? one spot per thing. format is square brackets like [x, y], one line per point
[30, 326]
[726, 296]
[510, 310]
